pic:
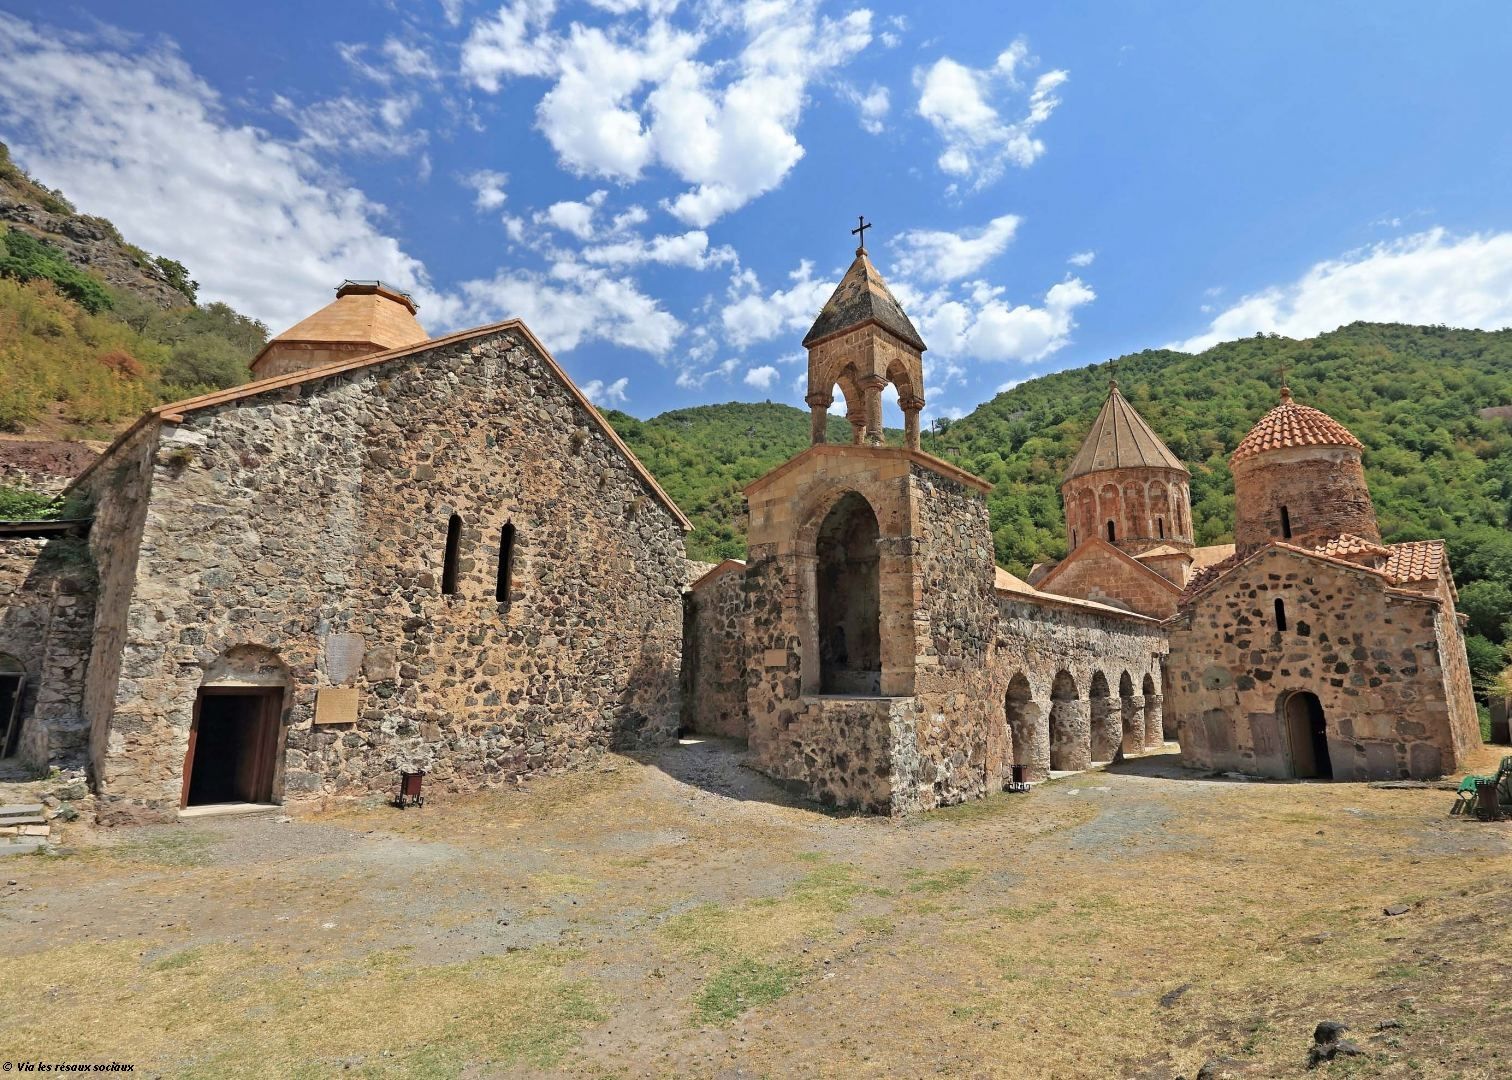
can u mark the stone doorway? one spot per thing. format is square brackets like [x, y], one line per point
[1070, 737]
[850, 599]
[12, 687]
[1307, 734]
[1025, 731]
[232, 746]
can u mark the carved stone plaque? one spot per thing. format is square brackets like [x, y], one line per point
[335, 705]
[344, 657]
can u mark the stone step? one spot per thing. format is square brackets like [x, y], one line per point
[29, 819]
[24, 847]
[20, 810]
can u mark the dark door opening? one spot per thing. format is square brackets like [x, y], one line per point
[10, 712]
[232, 745]
[1307, 732]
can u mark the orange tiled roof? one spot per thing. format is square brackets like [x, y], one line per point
[1289, 425]
[1346, 544]
[1416, 560]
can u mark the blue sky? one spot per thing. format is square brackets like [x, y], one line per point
[664, 190]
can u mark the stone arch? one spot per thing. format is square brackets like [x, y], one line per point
[1027, 730]
[1105, 733]
[1154, 714]
[1131, 715]
[1136, 520]
[235, 735]
[1110, 511]
[1070, 747]
[849, 598]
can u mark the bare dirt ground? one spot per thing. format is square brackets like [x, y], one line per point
[675, 915]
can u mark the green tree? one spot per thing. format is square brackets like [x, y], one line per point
[1489, 607]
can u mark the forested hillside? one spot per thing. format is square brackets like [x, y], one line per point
[1412, 394]
[93, 330]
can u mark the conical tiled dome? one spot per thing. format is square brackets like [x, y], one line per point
[1120, 439]
[1291, 425]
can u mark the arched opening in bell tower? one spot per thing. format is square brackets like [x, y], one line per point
[850, 603]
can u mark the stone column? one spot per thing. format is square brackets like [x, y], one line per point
[1104, 729]
[871, 391]
[911, 410]
[1070, 735]
[818, 417]
[1133, 724]
[1154, 722]
[858, 427]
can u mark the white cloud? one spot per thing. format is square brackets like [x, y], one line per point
[356, 125]
[572, 304]
[408, 60]
[873, 105]
[762, 377]
[946, 256]
[1082, 258]
[601, 393]
[512, 41]
[488, 188]
[629, 96]
[751, 317]
[452, 9]
[573, 217]
[1003, 388]
[1430, 277]
[982, 325]
[965, 105]
[689, 249]
[256, 219]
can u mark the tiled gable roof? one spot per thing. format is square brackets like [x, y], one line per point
[1415, 560]
[1348, 545]
[1291, 425]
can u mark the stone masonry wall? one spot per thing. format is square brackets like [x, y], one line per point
[955, 624]
[25, 598]
[1038, 640]
[1097, 574]
[1371, 654]
[716, 656]
[311, 522]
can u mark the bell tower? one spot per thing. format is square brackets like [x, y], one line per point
[860, 342]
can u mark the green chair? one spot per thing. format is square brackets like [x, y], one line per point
[1467, 795]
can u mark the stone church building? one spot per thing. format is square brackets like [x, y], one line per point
[392, 552]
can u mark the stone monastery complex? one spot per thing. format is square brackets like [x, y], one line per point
[392, 552]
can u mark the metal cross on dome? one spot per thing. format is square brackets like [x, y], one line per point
[860, 229]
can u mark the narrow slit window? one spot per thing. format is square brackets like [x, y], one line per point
[1111, 536]
[1160, 527]
[1285, 524]
[1074, 541]
[449, 563]
[506, 564]
[1280, 614]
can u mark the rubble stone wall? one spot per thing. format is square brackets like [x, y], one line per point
[311, 521]
[1373, 655]
[716, 656]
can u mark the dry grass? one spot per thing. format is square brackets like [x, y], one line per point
[623, 923]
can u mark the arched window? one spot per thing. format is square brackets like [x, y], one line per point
[506, 564]
[1280, 614]
[449, 561]
[1285, 523]
[1111, 533]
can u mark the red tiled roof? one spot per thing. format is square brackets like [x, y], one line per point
[1207, 574]
[1290, 425]
[1416, 560]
